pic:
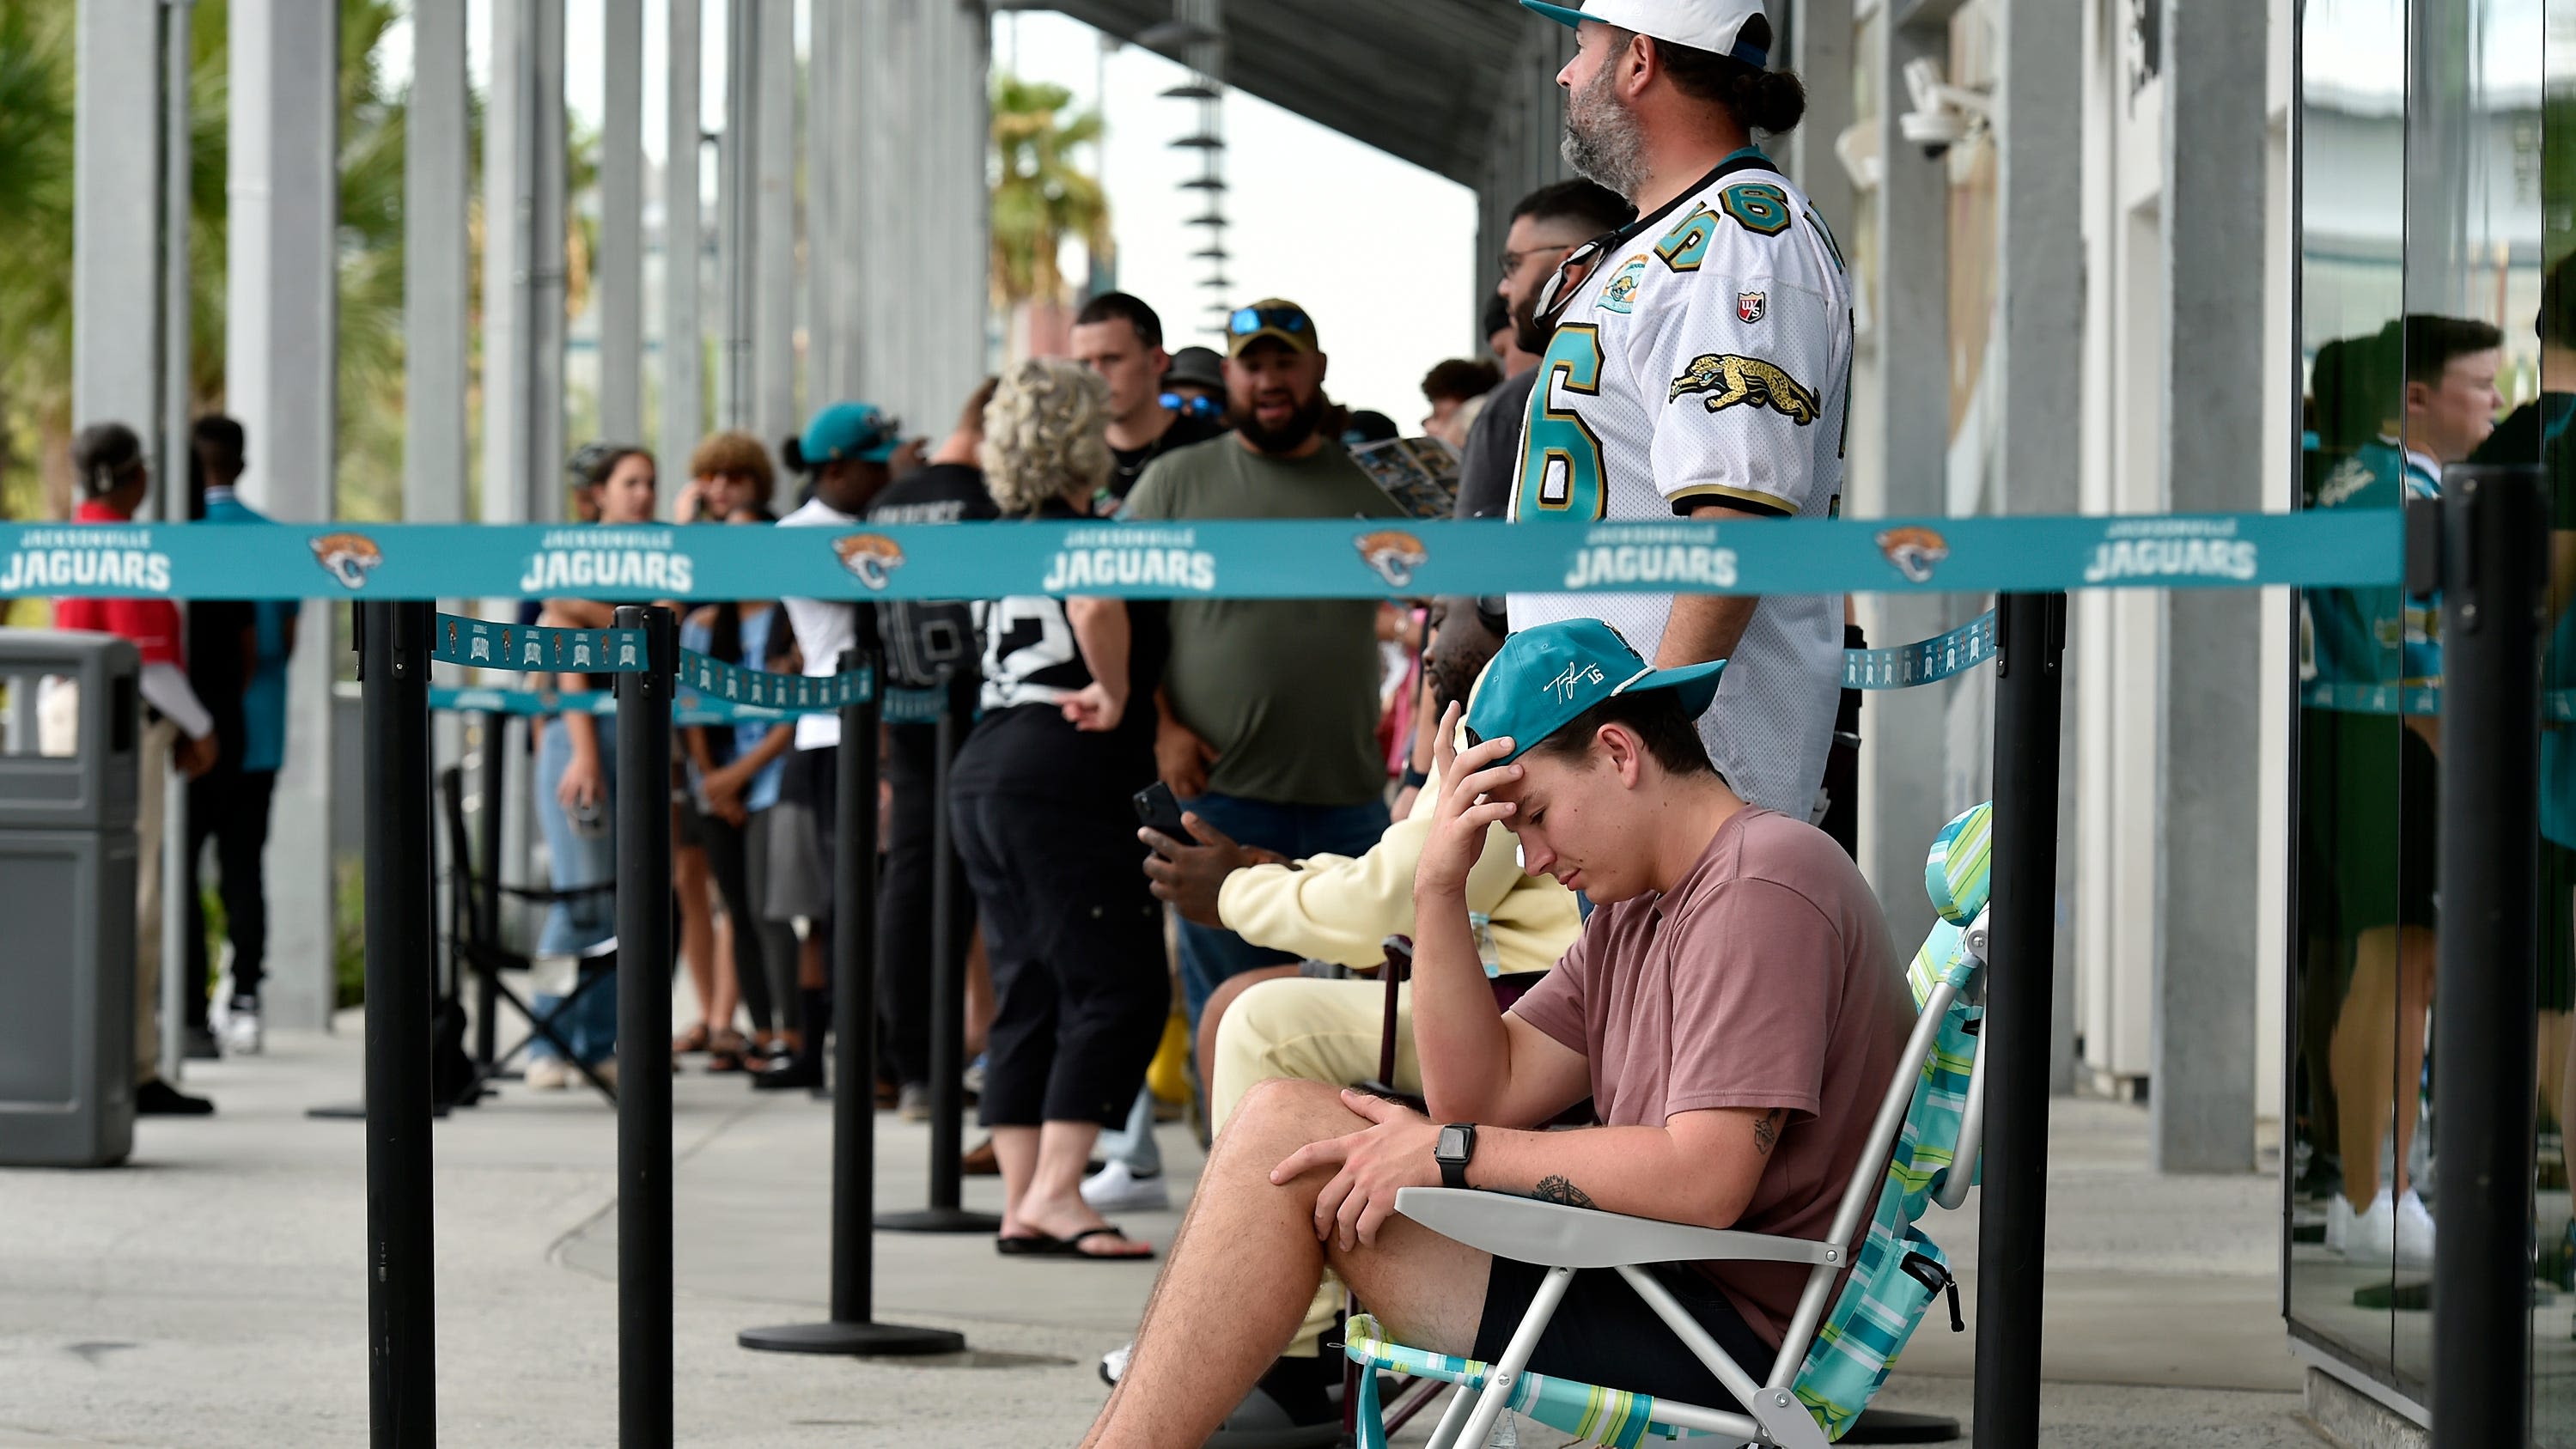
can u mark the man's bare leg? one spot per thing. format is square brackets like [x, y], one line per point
[1246, 1263]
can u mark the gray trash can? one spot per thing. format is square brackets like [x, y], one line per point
[67, 860]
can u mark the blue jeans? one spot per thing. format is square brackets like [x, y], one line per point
[579, 857]
[1209, 955]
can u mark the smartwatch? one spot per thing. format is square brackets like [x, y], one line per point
[1456, 1145]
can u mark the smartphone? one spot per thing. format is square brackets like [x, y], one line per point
[1157, 810]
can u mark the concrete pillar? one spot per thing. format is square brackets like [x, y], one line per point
[2039, 248]
[1903, 753]
[435, 297]
[177, 409]
[280, 365]
[1820, 51]
[683, 237]
[509, 203]
[773, 305]
[549, 195]
[116, 183]
[2213, 266]
[620, 284]
[736, 165]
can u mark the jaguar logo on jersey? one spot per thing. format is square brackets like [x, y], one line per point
[1393, 554]
[347, 557]
[1671, 555]
[871, 558]
[1619, 294]
[1729, 379]
[1916, 552]
[1749, 306]
[122, 560]
[1131, 558]
[2167, 548]
[593, 561]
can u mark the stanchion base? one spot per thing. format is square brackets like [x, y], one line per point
[939, 1220]
[851, 1339]
[1888, 1426]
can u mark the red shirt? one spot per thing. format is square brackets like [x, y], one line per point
[152, 624]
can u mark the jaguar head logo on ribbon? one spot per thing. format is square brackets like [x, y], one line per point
[870, 557]
[1914, 550]
[347, 557]
[1393, 554]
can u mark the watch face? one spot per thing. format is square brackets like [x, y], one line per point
[1453, 1143]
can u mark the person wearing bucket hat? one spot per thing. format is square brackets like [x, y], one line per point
[1732, 1010]
[1699, 369]
[845, 450]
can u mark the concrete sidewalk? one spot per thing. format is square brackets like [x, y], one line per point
[213, 1293]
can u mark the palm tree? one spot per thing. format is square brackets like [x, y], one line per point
[1040, 198]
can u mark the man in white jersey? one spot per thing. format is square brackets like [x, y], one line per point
[1700, 371]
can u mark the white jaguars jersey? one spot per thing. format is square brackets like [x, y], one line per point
[1706, 359]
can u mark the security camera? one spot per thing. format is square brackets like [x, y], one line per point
[1943, 114]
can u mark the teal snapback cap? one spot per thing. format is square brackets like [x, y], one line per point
[849, 430]
[1546, 677]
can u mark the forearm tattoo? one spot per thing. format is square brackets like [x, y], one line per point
[1562, 1189]
[1766, 1131]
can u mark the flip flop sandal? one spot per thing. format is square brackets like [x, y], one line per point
[1039, 1245]
[692, 1040]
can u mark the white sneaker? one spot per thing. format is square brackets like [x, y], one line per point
[1118, 1189]
[1113, 1364]
[240, 1030]
[2369, 1236]
[2414, 1231]
[548, 1074]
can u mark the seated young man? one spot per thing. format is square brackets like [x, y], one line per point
[1732, 1008]
[1274, 1022]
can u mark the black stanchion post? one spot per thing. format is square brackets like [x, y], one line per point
[2494, 529]
[644, 1034]
[853, 1329]
[393, 664]
[2030, 643]
[946, 1213]
[487, 899]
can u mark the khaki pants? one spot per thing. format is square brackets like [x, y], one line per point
[1310, 1031]
[58, 733]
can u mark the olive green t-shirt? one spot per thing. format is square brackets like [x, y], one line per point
[1285, 690]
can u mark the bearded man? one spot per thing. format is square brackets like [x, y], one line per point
[1269, 706]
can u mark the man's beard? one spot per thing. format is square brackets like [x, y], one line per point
[1528, 334]
[1289, 436]
[1602, 138]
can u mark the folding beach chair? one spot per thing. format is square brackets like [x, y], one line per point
[1922, 1149]
[474, 937]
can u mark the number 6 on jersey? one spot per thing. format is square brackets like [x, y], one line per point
[1560, 454]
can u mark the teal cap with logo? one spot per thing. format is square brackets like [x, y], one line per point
[1546, 677]
[849, 430]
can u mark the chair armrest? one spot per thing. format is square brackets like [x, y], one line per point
[1557, 1236]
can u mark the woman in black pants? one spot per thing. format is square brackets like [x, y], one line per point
[734, 772]
[1040, 796]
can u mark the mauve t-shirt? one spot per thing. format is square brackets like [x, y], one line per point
[1762, 979]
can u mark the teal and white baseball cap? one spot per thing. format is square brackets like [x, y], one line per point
[1716, 26]
[1545, 678]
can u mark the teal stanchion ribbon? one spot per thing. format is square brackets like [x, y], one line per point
[1928, 662]
[2557, 706]
[1281, 559]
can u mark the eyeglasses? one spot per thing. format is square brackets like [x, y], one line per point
[1248, 320]
[1511, 261]
[1188, 405]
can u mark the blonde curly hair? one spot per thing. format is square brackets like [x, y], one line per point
[1046, 434]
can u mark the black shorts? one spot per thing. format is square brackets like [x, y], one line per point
[1604, 1334]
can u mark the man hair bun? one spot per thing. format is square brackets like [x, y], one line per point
[792, 453]
[1768, 100]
